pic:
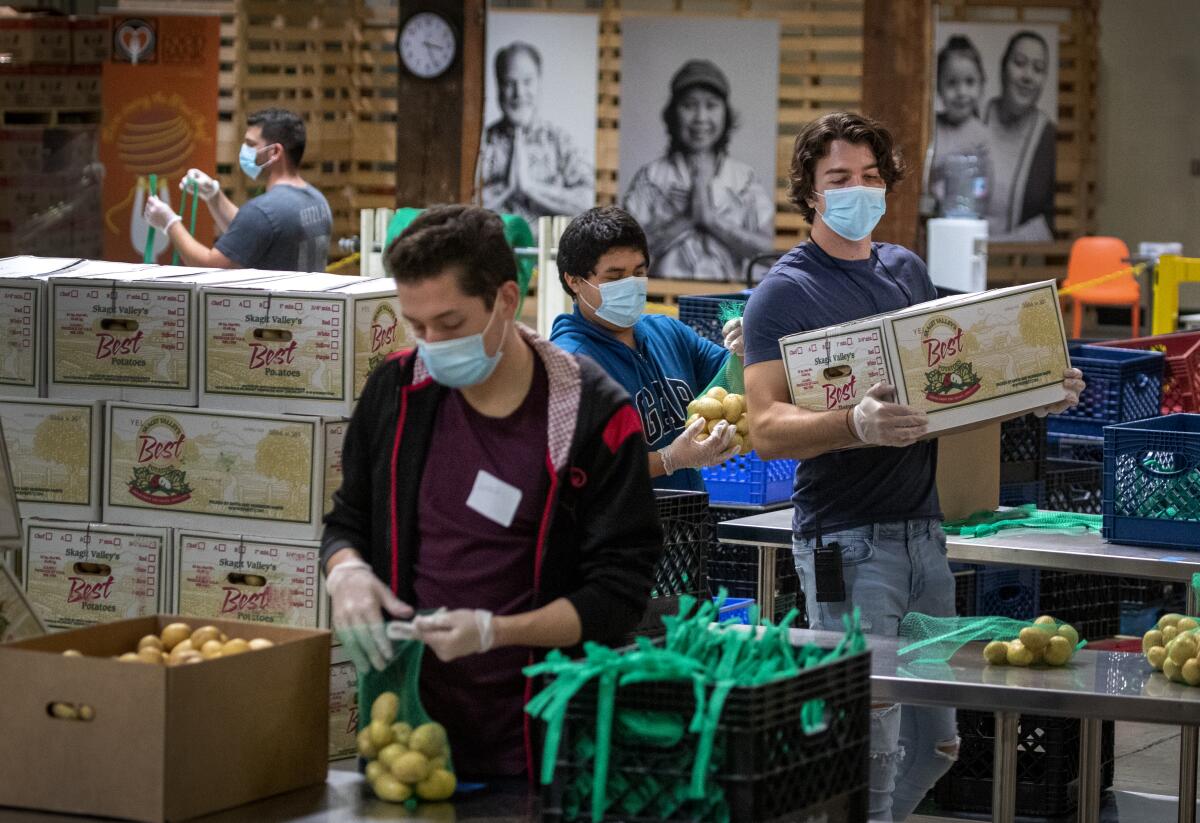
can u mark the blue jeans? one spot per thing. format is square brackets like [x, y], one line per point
[891, 569]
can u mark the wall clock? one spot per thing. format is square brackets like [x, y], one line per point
[428, 45]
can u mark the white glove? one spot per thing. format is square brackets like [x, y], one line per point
[207, 187]
[734, 339]
[880, 422]
[685, 453]
[456, 633]
[359, 598]
[1073, 385]
[159, 214]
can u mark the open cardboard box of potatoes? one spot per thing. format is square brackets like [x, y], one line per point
[152, 742]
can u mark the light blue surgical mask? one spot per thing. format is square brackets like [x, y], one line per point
[621, 301]
[854, 212]
[248, 160]
[461, 362]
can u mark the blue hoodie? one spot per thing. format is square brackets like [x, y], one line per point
[671, 366]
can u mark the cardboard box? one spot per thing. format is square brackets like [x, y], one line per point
[54, 447]
[335, 435]
[203, 470]
[964, 360]
[79, 574]
[253, 579]
[343, 706]
[18, 621]
[303, 345]
[968, 472]
[167, 743]
[41, 39]
[128, 335]
[89, 40]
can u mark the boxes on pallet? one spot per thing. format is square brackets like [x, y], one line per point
[54, 447]
[42, 39]
[343, 706]
[254, 579]
[304, 345]
[205, 469]
[80, 574]
[129, 335]
[963, 359]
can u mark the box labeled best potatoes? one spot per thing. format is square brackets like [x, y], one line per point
[963, 360]
[54, 449]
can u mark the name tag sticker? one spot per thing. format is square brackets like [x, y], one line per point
[494, 499]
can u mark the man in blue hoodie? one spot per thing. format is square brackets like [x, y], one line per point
[663, 364]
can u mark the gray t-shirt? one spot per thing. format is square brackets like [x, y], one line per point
[285, 229]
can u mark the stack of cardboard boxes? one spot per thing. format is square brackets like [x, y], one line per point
[175, 436]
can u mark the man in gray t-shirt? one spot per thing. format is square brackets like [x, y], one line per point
[285, 229]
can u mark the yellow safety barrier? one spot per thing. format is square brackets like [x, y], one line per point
[345, 262]
[1096, 281]
[662, 308]
[1168, 274]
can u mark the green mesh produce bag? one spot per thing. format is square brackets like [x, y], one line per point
[982, 524]
[730, 376]
[937, 639]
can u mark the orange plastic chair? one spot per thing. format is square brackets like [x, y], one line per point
[1093, 257]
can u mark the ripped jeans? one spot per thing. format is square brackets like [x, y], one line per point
[891, 569]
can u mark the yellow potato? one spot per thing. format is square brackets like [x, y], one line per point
[410, 767]
[743, 425]
[1183, 649]
[390, 753]
[1034, 638]
[1172, 670]
[1170, 619]
[374, 769]
[1187, 624]
[436, 763]
[701, 437]
[401, 732]
[130, 657]
[996, 653]
[1068, 631]
[381, 733]
[1156, 656]
[710, 409]
[712, 424]
[366, 748]
[1045, 620]
[1169, 633]
[72, 653]
[224, 638]
[734, 407]
[181, 648]
[260, 643]
[440, 785]
[1058, 651]
[211, 650]
[204, 634]
[429, 739]
[187, 658]
[691, 408]
[1191, 672]
[152, 641]
[235, 646]
[385, 707]
[150, 655]
[64, 711]
[87, 713]
[717, 393]
[174, 634]
[1018, 655]
[692, 419]
[1151, 639]
[390, 789]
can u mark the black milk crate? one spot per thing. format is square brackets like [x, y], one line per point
[1089, 602]
[1006, 592]
[1083, 449]
[736, 568]
[1022, 449]
[1047, 765]
[702, 312]
[687, 535]
[768, 766]
[1073, 486]
[1018, 494]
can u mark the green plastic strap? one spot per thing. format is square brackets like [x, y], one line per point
[148, 254]
[985, 523]
[192, 225]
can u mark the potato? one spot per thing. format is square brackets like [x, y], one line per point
[1169, 633]
[186, 658]
[996, 653]
[381, 733]
[385, 707]
[710, 409]
[1068, 631]
[87, 713]
[204, 634]
[401, 732]
[1183, 649]
[691, 408]
[174, 634]
[440, 785]
[150, 655]
[1058, 651]
[712, 424]
[1151, 639]
[1035, 639]
[64, 711]
[390, 753]
[1187, 624]
[72, 653]
[390, 789]
[1018, 655]
[701, 437]
[1191, 672]
[691, 419]
[366, 748]
[743, 425]
[1172, 670]
[734, 407]
[429, 739]
[410, 767]
[1045, 620]
[181, 648]
[717, 393]
[130, 657]
[260, 643]
[152, 641]
[1156, 656]
[1169, 619]
[235, 646]
[374, 769]
[436, 763]
[211, 650]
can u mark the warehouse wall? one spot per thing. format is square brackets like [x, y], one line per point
[1149, 113]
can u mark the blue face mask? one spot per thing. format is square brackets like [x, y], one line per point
[248, 160]
[854, 212]
[621, 301]
[461, 362]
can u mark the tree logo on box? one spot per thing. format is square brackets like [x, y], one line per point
[950, 379]
[157, 479]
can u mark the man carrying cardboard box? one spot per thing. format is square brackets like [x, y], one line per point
[287, 228]
[493, 475]
[867, 525]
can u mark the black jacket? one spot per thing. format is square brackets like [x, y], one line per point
[600, 536]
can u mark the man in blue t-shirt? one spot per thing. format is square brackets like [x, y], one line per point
[287, 228]
[866, 479]
[662, 363]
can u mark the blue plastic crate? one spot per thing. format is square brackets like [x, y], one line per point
[745, 478]
[1006, 592]
[1122, 385]
[1018, 494]
[702, 312]
[1152, 482]
[735, 608]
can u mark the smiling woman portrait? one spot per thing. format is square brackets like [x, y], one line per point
[705, 213]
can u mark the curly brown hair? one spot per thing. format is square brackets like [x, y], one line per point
[812, 143]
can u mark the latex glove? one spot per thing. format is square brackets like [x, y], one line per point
[1073, 385]
[207, 187]
[359, 599]
[456, 633]
[160, 215]
[881, 422]
[685, 453]
[734, 338]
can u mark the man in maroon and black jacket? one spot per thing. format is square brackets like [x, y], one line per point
[490, 476]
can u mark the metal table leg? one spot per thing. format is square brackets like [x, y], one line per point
[1187, 773]
[766, 582]
[1090, 731]
[1190, 599]
[1004, 768]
